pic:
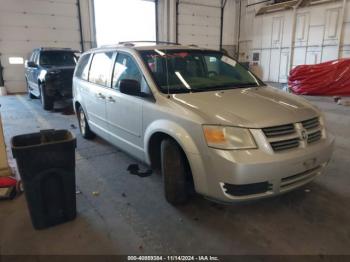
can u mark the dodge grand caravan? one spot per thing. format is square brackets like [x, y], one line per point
[202, 119]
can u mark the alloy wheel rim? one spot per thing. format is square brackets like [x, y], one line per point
[41, 96]
[82, 122]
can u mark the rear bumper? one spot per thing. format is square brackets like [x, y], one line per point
[233, 176]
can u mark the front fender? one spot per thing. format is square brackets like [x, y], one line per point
[174, 130]
[183, 138]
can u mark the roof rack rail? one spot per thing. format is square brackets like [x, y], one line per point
[54, 48]
[57, 49]
[147, 41]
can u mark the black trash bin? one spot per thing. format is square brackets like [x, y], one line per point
[46, 163]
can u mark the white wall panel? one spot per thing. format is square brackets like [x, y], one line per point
[313, 58]
[329, 53]
[302, 27]
[317, 37]
[332, 23]
[265, 64]
[199, 22]
[284, 67]
[266, 32]
[274, 65]
[299, 56]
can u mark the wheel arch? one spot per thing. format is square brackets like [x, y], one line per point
[162, 129]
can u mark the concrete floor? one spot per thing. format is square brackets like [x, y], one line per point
[130, 215]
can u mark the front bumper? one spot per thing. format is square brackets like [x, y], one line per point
[59, 88]
[261, 174]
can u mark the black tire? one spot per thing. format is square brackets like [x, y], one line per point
[84, 125]
[174, 171]
[46, 101]
[30, 95]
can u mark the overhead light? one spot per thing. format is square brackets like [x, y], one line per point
[16, 60]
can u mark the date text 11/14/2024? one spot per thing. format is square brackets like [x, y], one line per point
[173, 258]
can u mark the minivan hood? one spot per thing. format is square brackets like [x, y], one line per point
[248, 107]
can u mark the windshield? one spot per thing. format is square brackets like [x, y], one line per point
[58, 58]
[196, 70]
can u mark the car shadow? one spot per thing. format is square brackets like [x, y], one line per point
[65, 107]
[314, 203]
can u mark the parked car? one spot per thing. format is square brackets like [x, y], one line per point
[202, 119]
[49, 73]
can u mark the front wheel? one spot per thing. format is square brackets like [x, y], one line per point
[174, 172]
[46, 101]
[84, 125]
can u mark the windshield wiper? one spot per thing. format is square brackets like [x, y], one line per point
[177, 91]
[224, 87]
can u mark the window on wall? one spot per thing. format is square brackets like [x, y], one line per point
[124, 20]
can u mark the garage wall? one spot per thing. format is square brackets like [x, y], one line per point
[322, 33]
[25, 25]
[198, 22]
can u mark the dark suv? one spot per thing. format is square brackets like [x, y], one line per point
[49, 73]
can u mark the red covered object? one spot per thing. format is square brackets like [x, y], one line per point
[7, 181]
[326, 79]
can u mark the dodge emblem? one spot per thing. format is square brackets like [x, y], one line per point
[304, 135]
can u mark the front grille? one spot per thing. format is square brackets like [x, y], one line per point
[285, 144]
[289, 136]
[311, 123]
[314, 137]
[279, 130]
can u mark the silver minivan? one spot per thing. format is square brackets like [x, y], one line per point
[203, 120]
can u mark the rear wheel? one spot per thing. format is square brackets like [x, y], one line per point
[46, 101]
[174, 171]
[84, 125]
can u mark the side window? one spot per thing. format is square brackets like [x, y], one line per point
[36, 58]
[31, 58]
[100, 68]
[125, 68]
[83, 68]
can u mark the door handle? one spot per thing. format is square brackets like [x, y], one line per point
[111, 99]
[101, 96]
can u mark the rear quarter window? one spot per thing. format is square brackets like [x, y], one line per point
[82, 70]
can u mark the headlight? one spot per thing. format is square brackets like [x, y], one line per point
[223, 137]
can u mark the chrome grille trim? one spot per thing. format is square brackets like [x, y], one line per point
[279, 130]
[285, 144]
[311, 123]
[314, 137]
[289, 136]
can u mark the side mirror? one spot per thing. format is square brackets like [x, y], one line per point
[130, 87]
[31, 64]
